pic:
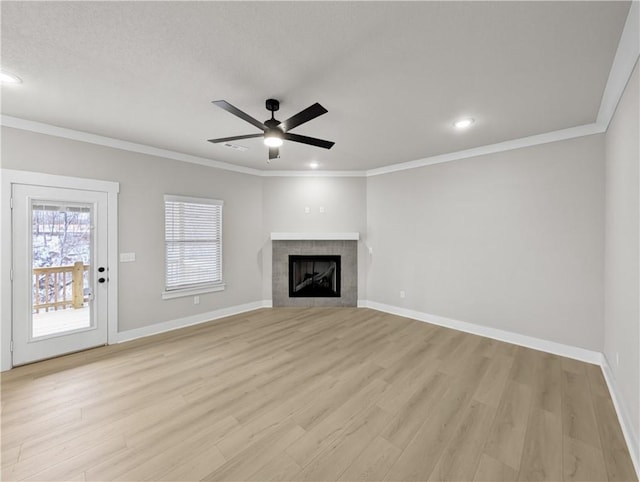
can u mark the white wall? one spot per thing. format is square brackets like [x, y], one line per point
[622, 259]
[143, 181]
[511, 241]
[524, 241]
[284, 200]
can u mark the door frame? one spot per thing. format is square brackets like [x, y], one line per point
[9, 177]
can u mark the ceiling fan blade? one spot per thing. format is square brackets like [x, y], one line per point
[274, 153]
[308, 140]
[223, 104]
[303, 116]
[235, 138]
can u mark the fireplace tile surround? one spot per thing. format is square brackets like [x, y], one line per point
[345, 246]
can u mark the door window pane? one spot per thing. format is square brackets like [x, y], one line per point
[61, 255]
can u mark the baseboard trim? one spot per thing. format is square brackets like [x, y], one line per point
[631, 436]
[190, 321]
[628, 429]
[547, 346]
[555, 348]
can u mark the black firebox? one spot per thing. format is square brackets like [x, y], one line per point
[314, 276]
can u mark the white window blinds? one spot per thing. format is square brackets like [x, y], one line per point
[193, 239]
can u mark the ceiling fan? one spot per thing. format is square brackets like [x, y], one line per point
[274, 131]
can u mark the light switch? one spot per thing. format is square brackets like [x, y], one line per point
[321, 209]
[307, 210]
[127, 257]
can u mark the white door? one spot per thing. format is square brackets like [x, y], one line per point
[60, 272]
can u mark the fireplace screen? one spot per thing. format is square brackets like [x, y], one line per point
[314, 276]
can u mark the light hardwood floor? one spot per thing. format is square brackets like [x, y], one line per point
[311, 394]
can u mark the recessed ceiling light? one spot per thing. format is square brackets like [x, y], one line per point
[313, 165]
[7, 78]
[463, 123]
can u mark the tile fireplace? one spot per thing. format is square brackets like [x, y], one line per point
[314, 272]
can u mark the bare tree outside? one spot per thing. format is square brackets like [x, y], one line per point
[61, 237]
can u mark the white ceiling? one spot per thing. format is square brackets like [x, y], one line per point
[393, 75]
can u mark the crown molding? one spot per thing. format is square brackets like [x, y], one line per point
[33, 126]
[623, 64]
[564, 134]
[313, 173]
[547, 137]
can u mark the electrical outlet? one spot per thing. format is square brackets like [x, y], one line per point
[307, 210]
[401, 293]
[321, 209]
[196, 300]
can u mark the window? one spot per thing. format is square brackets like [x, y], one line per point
[193, 245]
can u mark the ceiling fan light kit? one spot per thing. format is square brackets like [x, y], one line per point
[273, 139]
[275, 132]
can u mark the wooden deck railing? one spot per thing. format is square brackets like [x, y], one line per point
[59, 287]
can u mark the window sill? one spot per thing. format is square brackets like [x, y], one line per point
[169, 295]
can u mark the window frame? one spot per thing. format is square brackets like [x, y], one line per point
[204, 287]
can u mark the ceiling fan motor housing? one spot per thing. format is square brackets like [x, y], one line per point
[272, 105]
[272, 123]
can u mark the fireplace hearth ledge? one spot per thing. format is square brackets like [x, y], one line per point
[315, 236]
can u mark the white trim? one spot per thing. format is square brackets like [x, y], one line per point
[314, 173]
[564, 134]
[631, 435]
[628, 429]
[112, 256]
[624, 61]
[50, 130]
[547, 346]
[554, 136]
[267, 303]
[53, 180]
[9, 177]
[63, 132]
[171, 325]
[5, 269]
[315, 236]
[622, 67]
[169, 295]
